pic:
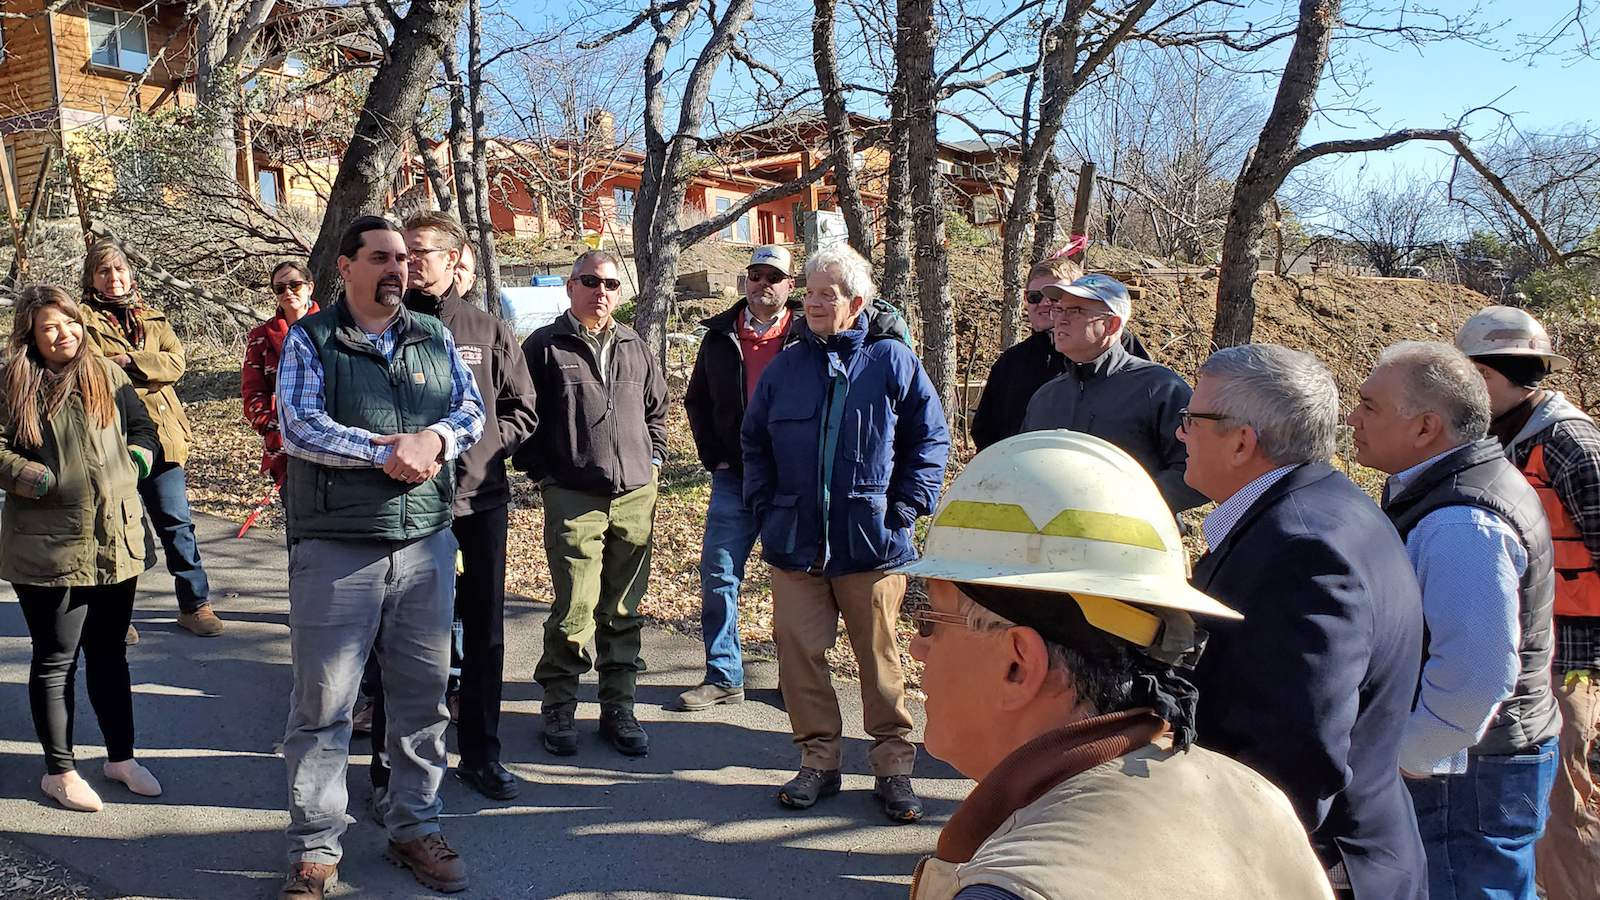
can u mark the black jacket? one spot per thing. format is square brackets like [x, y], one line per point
[590, 438]
[1016, 376]
[715, 400]
[1313, 688]
[1479, 475]
[489, 349]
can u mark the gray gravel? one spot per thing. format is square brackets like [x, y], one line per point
[698, 818]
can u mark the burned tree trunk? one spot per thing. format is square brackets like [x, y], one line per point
[897, 288]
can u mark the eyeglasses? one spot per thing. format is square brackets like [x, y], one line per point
[594, 281]
[926, 618]
[1186, 418]
[1061, 313]
[288, 287]
[764, 278]
[1035, 298]
[424, 251]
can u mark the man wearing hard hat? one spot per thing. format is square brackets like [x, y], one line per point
[1558, 448]
[1059, 609]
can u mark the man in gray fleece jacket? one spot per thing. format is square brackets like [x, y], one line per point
[1107, 392]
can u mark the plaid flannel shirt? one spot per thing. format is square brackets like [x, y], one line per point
[311, 434]
[1572, 459]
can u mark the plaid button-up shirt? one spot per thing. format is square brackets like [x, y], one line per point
[311, 434]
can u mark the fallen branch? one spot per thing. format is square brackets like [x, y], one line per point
[101, 230]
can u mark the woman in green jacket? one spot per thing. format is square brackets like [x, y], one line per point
[141, 340]
[74, 441]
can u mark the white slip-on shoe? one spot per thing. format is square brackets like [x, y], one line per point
[136, 777]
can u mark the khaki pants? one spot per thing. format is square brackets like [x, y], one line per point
[1567, 858]
[599, 552]
[805, 611]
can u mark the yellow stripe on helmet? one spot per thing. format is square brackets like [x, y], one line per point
[1079, 523]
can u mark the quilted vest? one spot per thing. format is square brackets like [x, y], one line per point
[1479, 475]
[363, 390]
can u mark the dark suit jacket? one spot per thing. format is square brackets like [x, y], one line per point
[1313, 687]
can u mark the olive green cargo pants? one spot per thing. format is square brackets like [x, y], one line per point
[598, 547]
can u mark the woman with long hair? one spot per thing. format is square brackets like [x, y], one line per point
[292, 285]
[138, 338]
[74, 441]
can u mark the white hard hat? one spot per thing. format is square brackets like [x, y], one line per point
[1508, 331]
[1065, 512]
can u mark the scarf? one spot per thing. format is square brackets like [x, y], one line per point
[1509, 424]
[127, 310]
[1035, 768]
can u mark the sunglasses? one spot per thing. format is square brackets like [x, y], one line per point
[594, 281]
[1035, 298]
[1186, 418]
[284, 287]
[765, 278]
[926, 618]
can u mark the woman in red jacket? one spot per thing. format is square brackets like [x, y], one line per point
[292, 285]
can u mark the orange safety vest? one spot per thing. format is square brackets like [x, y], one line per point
[1577, 582]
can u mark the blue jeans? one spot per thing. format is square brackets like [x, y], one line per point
[731, 530]
[166, 501]
[344, 596]
[1479, 827]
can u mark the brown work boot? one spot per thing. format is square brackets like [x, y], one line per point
[431, 862]
[202, 621]
[307, 881]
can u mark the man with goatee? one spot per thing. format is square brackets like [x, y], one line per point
[374, 403]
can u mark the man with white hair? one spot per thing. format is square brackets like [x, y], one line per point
[1479, 748]
[1107, 391]
[844, 445]
[1313, 688]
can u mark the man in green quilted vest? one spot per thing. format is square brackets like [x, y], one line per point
[375, 404]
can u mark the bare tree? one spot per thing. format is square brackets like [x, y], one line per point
[393, 98]
[1557, 175]
[825, 56]
[1394, 225]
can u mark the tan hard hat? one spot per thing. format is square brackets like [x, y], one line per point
[1507, 331]
[1068, 513]
[775, 256]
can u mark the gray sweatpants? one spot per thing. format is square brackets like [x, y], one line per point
[343, 596]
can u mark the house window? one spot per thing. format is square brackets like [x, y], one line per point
[117, 40]
[858, 161]
[741, 229]
[722, 206]
[946, 167]
[294, 64]
[622, 200]
[270, 183]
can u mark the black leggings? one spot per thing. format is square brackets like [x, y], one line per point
[61, 620]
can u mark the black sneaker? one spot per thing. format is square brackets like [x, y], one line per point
[622, 730]
[811, 785]
[899, 800]
[490, 779]
[560, 729]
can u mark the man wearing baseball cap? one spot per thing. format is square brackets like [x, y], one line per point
[1108, 392]
[736, 348]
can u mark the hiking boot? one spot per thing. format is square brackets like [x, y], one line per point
[431, 862]
[622, 731]
[708, 695]
[899, 800]
[308, 880]
[202, 621]
[490, 779]
[560, 729]
[811, 785]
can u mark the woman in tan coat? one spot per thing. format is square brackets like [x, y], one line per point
[74, 441]
[140, 340]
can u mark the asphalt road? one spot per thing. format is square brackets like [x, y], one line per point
[696, 819]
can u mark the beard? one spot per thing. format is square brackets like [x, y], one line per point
[389, 292]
